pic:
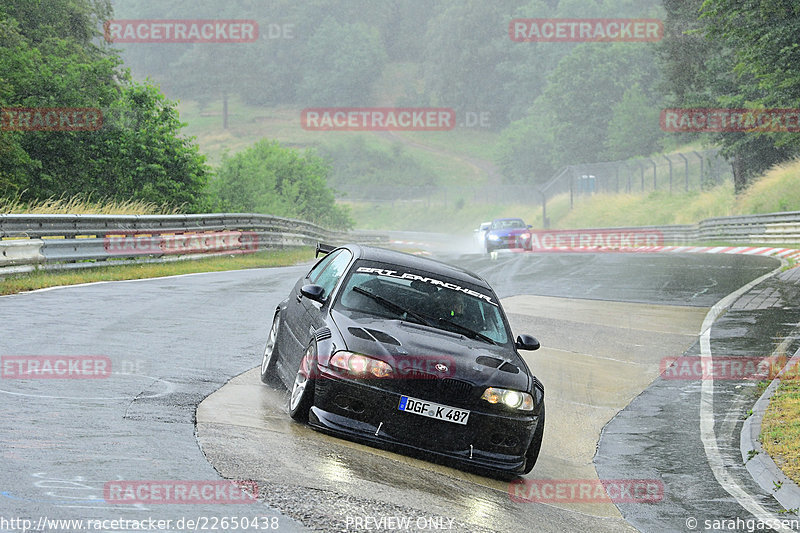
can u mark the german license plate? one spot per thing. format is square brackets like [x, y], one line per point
[433, 410]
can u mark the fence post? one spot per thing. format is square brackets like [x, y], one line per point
[702, 169]
[670, 173]
[686, 168]
[571, 190]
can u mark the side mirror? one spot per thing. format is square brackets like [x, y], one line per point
[313, 292]
[526, 342]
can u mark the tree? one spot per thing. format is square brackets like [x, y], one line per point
[268, 178]
[583, 106]
[634, 128]
[735, 54]
[342, 63]
[50, 58]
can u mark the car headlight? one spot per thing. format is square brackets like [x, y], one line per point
[525, 236]
[510, 398]
[361, 366]
[494, 237]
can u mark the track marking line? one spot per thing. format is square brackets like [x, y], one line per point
[707, 433]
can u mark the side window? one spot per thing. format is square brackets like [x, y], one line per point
[332, 272]
[320, 266]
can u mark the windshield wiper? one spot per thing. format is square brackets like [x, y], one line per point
[424, 319]
[466, 331]
[393, 306]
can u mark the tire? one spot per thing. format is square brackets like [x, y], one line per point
[271, 355]
[536, 444]
[302, 397]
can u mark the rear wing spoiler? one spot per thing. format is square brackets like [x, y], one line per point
[323, 249]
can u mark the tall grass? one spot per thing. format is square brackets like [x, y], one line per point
[778, 190]
[79, 205]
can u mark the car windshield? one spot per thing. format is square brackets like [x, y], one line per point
[424, 298]
[508, 224]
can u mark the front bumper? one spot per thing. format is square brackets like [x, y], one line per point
[509, 242]
[362, 410]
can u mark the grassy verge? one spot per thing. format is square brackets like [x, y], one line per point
[777, 190]
[78, 205]
[43, 279]
[780, 429]
[457, 215]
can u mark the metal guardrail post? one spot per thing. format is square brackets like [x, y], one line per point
[73, 240]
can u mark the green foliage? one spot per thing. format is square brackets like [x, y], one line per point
[635, 113]
[140, 154]
[524, 150]
[598, 102]
[268, 178]
[49, 58]
[735, 54]
[356, 165]
[342, 60]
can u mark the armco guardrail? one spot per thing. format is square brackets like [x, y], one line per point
[772, 229]
[77, 241]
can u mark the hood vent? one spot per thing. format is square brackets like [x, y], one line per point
[489, 361]
[493, 362]
[373, 335]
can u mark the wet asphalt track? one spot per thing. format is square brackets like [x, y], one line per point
[175, 341]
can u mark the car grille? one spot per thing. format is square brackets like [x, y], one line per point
[430, 387]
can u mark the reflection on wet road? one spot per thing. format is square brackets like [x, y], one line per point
[173, 342]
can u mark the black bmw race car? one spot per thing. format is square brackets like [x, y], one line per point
[408, 353]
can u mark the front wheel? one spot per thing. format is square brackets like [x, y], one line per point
[536, 444]
[302, 397]
[270, 353]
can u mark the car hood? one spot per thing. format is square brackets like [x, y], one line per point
[408, 346]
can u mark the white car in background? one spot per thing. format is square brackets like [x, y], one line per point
[480, 235]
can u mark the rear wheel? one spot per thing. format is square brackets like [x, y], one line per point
[271, 353]
[536, 444]
[302, 397]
